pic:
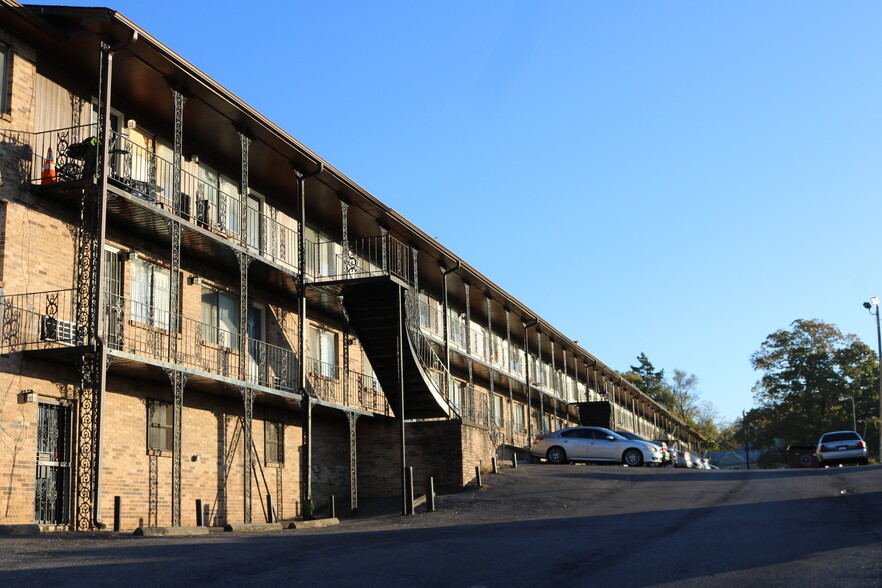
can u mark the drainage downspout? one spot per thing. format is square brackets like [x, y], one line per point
[98, 343]
[444, 273]
[527, 325]
[305, 401]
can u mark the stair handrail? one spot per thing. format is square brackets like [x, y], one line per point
[424, 351]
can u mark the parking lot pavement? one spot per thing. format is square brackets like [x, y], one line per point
[539, 525]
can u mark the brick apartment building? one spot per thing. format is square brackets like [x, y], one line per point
[196, 306]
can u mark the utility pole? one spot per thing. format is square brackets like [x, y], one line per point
[746, 443]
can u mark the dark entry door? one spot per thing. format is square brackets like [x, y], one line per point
[52, 499]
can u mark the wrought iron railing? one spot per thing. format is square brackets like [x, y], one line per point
[43, 320]
[440, 376]
[39, 320]
[142, 173]
[330, 383]
[366, 257]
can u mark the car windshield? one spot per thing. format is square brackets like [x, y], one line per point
[846, 436]
[632, 436]
[618, 437]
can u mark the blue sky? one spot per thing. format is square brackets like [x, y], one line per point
[674, 178]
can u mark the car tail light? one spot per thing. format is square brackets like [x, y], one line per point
[823, 448]
[664, 446]
[537, 440]
[861, 445]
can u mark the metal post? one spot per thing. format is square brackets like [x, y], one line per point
[199, 512]
[879, 343]
[478, 476]
[514, 460]
[117, 509]
[430, 495]
[401, 400]
[410, 509]
[332, 507]
[493, 462]
[270, 515]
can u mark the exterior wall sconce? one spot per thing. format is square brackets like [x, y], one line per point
[132, 255]
[194, 280]
[131, 123]
[194, 158]
[27, 397]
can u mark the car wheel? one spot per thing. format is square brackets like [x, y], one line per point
[632, 457]
[556, 455]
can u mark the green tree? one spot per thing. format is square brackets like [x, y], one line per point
[805, 370]
[684, 394]
[650, 381]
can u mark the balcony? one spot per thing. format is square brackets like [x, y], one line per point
[147, 179]
[133, 330]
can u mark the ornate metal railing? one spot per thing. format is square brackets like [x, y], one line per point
[440, 376]
[366, 257]
[39, 320]
[331, 383]
[43, 320]
[138, 170]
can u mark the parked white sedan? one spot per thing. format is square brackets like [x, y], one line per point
[841, 447]
[594, 444]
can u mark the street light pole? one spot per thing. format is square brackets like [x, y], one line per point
[853, 414]
[874, 301]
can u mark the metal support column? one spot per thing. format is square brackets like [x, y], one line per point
[489, 355]
[527, 326]
[353, 463]
[401, 335]
[468, 343]
[305, 400]
[244, 142]
[246, 391]
[178, 381]
[247, 448]
[540, 368]
[508, 369]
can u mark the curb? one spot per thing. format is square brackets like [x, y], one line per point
[251, 527]
[314, 524]
[32, 529]
[170, 531]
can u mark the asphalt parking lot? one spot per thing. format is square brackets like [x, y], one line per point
[538, 525]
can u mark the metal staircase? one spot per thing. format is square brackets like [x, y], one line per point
[375, 307]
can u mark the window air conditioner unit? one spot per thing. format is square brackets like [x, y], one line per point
[53, 329]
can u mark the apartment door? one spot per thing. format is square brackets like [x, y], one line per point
[52, 488]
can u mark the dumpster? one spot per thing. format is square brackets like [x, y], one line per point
[802, 456]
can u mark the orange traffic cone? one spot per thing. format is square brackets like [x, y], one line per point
[49, 169]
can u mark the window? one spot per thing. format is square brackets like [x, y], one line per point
[255, 222]
[150, 294]
[456, 395]
[519, 418]
[323, 352]
[322, 253]
[159, 426]
[5, 68]
[497, 410]
[220, 313]
[274, 442]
